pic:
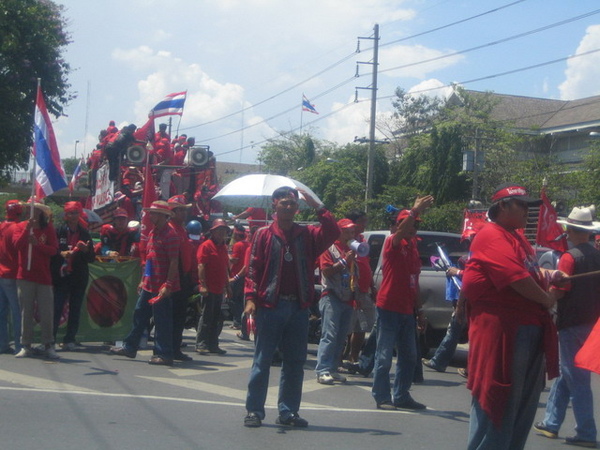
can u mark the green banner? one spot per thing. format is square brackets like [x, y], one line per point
[111, 295]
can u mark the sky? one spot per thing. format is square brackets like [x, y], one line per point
[245, 64]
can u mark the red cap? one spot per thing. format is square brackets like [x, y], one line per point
[160, 206]
[73, 207]
[219, 223]
[178, 201]
[14, 209]
[403, 215]
[346, 223]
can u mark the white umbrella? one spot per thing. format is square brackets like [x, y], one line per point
[256, 190]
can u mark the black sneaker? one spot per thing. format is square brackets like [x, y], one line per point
[543, 430]
[574, 440]
[386, 406]
[123, 351]
[252, 420]
[293, 420]
[180, 356]
[431, 365]
[410, 404]
[217, 351]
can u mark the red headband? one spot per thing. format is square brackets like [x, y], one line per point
[511, 191]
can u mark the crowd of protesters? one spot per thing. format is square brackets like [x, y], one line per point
[267, 275]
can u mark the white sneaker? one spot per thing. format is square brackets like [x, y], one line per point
[51, 353]
[25, 352]
[337, 377]
[325, 378]
[69, 347]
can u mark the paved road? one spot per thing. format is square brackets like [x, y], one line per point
[92, 400]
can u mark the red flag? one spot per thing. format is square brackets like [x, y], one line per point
[474, 219]
[588, 356]
[146, 132]
[148, 197]
[549, 233]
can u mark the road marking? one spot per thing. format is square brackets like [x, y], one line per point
[305, 406]
[39, 383]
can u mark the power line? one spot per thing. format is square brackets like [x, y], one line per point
[473, 80]
[453, 23]
[500, 41]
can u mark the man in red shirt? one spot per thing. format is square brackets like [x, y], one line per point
[510, 326]
[159, 281]
[9, 299]
[279, 290]
[339, 278]
[397, 303]
[180, 209]
[213, 279]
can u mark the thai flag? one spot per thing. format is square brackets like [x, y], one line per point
[172, 104]
[49, 172]
[77, 174]
[308, 106]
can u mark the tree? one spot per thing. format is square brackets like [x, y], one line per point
[33, 40]
[288, 153]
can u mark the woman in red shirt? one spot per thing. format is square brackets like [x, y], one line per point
[34, 281]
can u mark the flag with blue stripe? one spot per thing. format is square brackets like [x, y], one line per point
[308, 106]
[49, 173]
[172, 104]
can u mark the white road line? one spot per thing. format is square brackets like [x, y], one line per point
[39, 383]
[305, 406]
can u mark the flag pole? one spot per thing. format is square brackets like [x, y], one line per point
[30, 248]
[180, 116]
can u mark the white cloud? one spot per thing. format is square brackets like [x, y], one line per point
[431, 88]
[582, 73]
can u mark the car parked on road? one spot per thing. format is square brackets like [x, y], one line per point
[432, 281]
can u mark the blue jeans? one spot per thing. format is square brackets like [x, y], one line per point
[394, 330]
[287, 325]
[9, 299]
[444, 353]
[527, 382]
[572, 385]
[163, 324]
[336, 317]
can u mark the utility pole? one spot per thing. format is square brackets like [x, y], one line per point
[373, 88]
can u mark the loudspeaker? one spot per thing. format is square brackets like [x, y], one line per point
[199, 156]
[136, 154]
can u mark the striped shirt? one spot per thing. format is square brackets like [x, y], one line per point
[162, 248]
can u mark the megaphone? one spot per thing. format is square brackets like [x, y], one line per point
[361, 248]
[199, 156]
[136, 154]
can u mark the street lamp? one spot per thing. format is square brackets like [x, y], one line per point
[76, 142]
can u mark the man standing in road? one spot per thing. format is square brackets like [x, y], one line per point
[578, 306]
[213, 279]
[70, 271]
[510, 326]
[397, 303]
[339, 278]
[279, 289]
[159, 282]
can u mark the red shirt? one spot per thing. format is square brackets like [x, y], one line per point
[161, 249]
[238, 252]
[400, 272]
[9, 261]
[257, 217]
[216, 265]
[185, 250]
[496, 311]
[46, 247]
